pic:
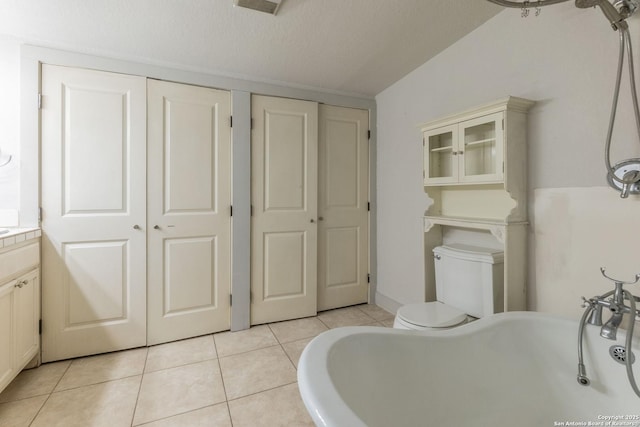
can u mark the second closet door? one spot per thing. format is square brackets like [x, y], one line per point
[189, 223]
[343, 230]
[284, 156]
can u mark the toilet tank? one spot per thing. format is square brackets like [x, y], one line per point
[470, 278]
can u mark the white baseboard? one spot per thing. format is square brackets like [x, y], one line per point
[387, 303]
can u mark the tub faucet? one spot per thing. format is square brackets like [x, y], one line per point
[617, 308]
[615, 304]
[610, 328]
[593, 316]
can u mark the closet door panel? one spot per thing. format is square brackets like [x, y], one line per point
[93, 194]
[343, 231]
[189, 236]
[284, 199]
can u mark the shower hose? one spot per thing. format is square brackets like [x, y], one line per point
[628, 340]
[582, 377]
[625, 39]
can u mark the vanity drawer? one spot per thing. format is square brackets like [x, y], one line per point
[19, 260]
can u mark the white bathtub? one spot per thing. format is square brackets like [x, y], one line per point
[512, 369]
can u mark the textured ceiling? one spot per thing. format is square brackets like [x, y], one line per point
[348, 46]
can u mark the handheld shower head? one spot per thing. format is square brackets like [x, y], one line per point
[617, 21]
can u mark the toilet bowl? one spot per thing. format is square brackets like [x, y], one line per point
[469, 285]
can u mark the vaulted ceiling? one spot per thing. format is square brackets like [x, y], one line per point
[356, 47]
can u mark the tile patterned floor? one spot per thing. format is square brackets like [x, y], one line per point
[238, 379]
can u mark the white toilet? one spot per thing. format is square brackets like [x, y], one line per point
[469, 284]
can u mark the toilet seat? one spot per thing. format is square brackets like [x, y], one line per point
[431, 315]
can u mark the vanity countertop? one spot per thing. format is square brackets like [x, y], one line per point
[17, 235]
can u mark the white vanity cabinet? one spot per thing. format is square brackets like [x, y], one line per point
[475, 172]
[19, 305]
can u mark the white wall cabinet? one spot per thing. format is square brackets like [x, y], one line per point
[19, 309]
[469, 151]
[475, 172]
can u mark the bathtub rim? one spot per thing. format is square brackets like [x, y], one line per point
[323, 401]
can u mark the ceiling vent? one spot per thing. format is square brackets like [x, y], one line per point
[267, 6]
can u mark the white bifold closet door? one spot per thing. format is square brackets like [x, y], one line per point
[189, 219]
[343, 197]
[93, 152]
[284, 156]
[109, 220]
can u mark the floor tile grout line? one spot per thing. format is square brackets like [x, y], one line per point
[180, 366]
[144, 368]
[178, 414]
[224, 389]
[290, 360]
[283, 350]
[249, 351]
[295, 368]
[49, 396]
[97, 383]
[215, 346]
[39, 410]
[26, 398]
[273, 333]
[62, 376]
[327, 326]
[262, 391]
[364, 312]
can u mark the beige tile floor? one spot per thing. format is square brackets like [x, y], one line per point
[245, 378]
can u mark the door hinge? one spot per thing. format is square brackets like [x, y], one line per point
[502, 167]
[251, 210]
[231, 210]
[39, 101]
[502, 124]
[368, 206]
[40, 327]
[40, 214]
[230, 121]
[230, 300]
[368, 278]
[368, 134]
[251, 122]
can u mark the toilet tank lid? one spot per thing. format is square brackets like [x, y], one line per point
[470, 253]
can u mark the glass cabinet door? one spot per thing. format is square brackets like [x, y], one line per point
[440, 155]
[481, 149]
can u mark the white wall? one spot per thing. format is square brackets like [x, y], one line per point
[565, 59]
[9, 130]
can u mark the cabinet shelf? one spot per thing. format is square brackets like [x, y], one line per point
[441, 149]
[488, 224]
[475, 143]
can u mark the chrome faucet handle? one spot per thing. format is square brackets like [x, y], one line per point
[616, 281]
[585, 302]
[591, 302]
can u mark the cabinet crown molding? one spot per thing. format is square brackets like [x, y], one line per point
[510, 103]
